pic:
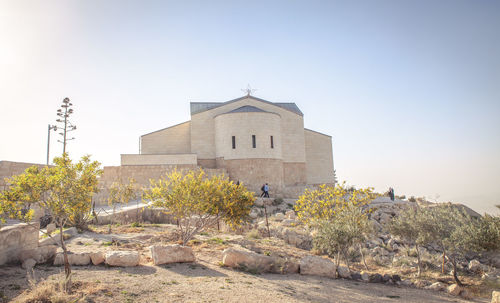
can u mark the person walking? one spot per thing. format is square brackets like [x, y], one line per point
[266, 190]
[263, 189]
[391, 193]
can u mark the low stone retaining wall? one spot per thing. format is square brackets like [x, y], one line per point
[16, 238]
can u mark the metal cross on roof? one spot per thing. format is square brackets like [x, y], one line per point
[249, 90]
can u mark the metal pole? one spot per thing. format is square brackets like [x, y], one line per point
[48, 144]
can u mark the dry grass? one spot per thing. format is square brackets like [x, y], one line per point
[51, 292]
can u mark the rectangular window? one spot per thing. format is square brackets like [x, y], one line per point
[272, 142]
[253, 141]
[234, 141]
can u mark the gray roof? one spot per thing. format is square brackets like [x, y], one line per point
[199, 107]
[246, 109]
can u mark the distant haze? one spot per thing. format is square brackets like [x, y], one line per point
[409, 90]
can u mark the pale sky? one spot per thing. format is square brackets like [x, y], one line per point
[409, 90]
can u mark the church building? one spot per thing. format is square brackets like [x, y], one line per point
[255, 141]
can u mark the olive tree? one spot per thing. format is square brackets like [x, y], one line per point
[348, 226]
[64, 190]
[198, 201]
[338, 215]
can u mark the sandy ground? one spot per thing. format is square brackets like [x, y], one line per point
[203, 281]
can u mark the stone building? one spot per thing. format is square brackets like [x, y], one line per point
[253, 140]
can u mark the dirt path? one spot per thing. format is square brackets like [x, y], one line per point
[205, 282]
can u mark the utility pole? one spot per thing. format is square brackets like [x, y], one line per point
[64, 112]
[48, 139]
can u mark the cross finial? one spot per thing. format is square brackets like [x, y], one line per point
[249, 90]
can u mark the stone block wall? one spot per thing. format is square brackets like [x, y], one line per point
[142, 174]
[9, 168]
[16, 238]
[171, 140]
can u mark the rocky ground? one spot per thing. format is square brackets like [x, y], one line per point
[391, 274]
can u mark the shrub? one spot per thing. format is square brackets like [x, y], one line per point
[199, 202]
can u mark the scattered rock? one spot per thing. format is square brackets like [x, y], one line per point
[97, 257]
[454, 289]
[122, 258]
[375, 278]
[422, 283]
[171, 254]
[72, 231]
[290, 214]
[356, 276]
[495, 297]
[247, 260]
[29, 264]
[386, 278]
[317, 266]
[279, 217]
[436, 286]
[476, 266]
[396, 278]
[344, 272]
[79, 259]
[288, 222]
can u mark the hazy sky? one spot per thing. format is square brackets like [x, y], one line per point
[409, 90]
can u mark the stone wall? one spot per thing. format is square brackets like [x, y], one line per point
[9, 168]
[16, 238]
[141, 173]
[172, 140]
[172, 159]
[242, 125]
[292, 130]
[255, 172]
[319, 158]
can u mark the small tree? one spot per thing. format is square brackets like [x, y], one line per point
[121, 193]
[322, 203]
[198, 202]
[338, 215]
[406, 227]
[349, 226]
[64, 190]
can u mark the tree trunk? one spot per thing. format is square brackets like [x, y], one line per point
[442, 265]
[67, 267]
[346, 260]
[363, 256]
[419, 265]
[455, 275]
[267, 222]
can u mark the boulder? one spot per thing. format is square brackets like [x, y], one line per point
[259, 202]
[476, 266]
[376, 278]
[247, 260]
[356, 276]
[317, 266]
[436, 286]
[79, 259]
[454, 289]
[495, 297]
[122, 258]
[171, 254]
[344, 272]
[29, 264]
[97, 257]
[396, 278]
[51, 228]
[288, 222]
[290, 214]
[365, 276]
[40, 254]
